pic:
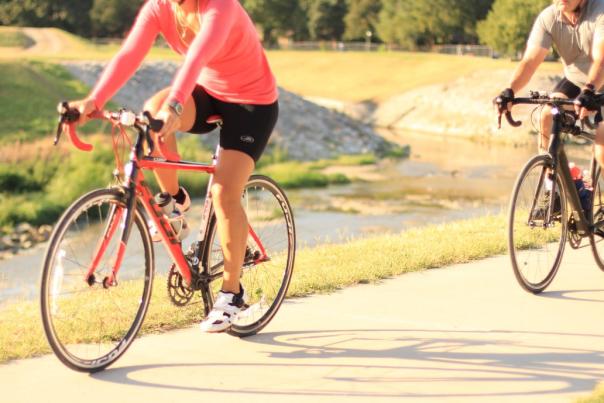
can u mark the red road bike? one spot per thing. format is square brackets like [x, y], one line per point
[98, 271]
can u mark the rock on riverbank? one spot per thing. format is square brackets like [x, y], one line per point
[305, 130]
[462, 107]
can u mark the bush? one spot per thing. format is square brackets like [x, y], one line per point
[509, 23]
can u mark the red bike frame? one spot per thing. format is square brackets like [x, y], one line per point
[135, 180]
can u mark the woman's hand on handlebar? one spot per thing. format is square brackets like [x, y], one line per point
[85, 107]
[171, 122]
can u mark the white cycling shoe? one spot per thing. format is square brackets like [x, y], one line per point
[226, 308]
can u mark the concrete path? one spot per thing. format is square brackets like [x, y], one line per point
[463, 334]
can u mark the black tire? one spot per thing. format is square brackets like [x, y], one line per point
[535, 249]
[265, 283]
[597, 213]
[87, 325]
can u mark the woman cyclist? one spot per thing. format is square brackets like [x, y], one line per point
[225, 72]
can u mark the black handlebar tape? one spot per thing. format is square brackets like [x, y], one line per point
[154, 124]
[511, 121]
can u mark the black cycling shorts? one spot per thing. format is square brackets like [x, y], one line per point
[567, 88]
[245, 127]
[571, 91]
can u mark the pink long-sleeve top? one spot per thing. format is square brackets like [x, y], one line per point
[226, 56]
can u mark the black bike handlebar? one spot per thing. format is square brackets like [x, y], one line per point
[539, 99]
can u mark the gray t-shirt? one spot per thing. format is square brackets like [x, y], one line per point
[573, 44]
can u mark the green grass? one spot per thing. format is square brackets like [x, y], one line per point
[376, 76]
[596, 397]
[348, 76]
[29, 96]
[40, 182]
[318, 270]
[14, 38]
[295, 174]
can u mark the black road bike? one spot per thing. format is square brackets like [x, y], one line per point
[546, 209]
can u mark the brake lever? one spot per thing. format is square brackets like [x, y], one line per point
[59, 131]
[150, 142]
[62, 108]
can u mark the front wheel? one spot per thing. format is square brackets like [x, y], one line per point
[91, 317]
[269, 258]
[596, 215]
[536, 236]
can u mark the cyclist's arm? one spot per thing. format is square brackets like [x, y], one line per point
[126, 61]
[533, 57]
[216, 24]
[596, 71]
[537, 47]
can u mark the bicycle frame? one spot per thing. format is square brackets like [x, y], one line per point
[136, 190]
[560, 166]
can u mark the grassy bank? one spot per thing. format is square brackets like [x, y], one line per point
[318, 270]
[349, 76]
[29, 96]
[596, 397]
[14, 38]
[38, 181]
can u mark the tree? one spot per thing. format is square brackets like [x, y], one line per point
[113, 18]
[414, 23]
[326, 19]
[509, 23]
[278, 17]
[71, 15]
[418, 23]
[362, 17]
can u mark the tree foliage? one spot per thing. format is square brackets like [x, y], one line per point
[425, 23]
[410, 23]
[71, 15]
[362, 17]
[278, 18]
[508, 24]
[113, 18]
[326, 19]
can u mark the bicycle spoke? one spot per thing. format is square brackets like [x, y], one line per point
[86, 322]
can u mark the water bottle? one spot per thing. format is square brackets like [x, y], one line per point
[583, 188]
[176, 219]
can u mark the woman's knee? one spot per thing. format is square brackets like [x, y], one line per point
[154, 104]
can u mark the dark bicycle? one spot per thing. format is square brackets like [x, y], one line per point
[546, 209]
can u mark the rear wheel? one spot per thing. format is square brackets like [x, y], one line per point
[536, 241]
[89, 319]
[270, 253]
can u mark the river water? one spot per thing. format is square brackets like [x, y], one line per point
[445, 179]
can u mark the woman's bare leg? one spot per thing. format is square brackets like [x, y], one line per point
[168, 178]
[232, 173]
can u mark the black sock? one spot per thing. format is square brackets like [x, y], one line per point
[180, 197]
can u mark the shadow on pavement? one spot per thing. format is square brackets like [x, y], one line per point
[352, 362]
[570, 295]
